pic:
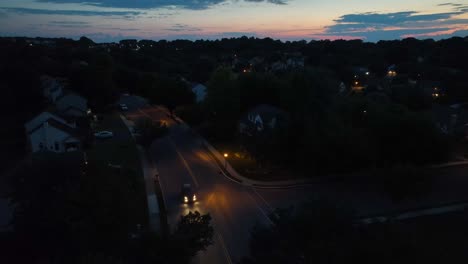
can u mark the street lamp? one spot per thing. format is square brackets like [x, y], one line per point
[225, 160]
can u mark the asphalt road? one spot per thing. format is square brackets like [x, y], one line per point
[235, 209]
[180, 158]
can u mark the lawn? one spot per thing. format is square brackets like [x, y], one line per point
[246, 165]
[121, 149]
[121, 153]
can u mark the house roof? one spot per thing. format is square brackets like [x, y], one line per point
[267, 112]
[73, 132]
[65, 128]
[40, 119]
[74, 100]
[443, 115]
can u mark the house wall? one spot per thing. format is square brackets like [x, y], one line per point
[55, 94]
[48, 136]
[258, 122]
[200, 93]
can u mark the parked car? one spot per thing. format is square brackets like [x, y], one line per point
[187, 194]
[123, 107]
[104, 134]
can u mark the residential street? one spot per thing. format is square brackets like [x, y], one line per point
[181, 158]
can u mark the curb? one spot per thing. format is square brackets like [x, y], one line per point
[233, 175]
[159, 215]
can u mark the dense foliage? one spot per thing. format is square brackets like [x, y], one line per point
[67, 211]
[164, 71]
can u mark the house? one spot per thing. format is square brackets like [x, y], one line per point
[52, 88]
[200, 92]
[391, 71]
[433, 89]
[360, 71]
[452, 119]
[278, 66]
[72, 105]
[48, 132]
[262, 119]
[295, 62]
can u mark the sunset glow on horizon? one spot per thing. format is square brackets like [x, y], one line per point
[113, 20]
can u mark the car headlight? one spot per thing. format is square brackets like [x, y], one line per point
[185, 199]
[194, 197]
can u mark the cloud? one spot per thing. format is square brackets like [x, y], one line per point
[69, 12]
[150, 4]
[68, 24]
[449, 4]
[393, 18]
[276, 2]
[182, 28]
[376, 26]
[142, 4]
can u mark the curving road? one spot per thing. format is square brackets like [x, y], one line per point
[181, 158]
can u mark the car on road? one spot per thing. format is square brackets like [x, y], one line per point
[123, 107]
[104, 134]
[188, 195]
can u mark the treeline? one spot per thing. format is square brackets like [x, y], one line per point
[70, 211]
[328, 131]
[163, 71]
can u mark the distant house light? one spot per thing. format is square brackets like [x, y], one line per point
[391, 73]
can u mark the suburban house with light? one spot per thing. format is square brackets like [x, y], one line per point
[52, 88]
[262, 119]
[452, 119]
[48, 132]
[72, 105]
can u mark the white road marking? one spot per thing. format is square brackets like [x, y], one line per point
[260, 208]
[272, 210]
[185, 163]
[223, 246]
[417, 213]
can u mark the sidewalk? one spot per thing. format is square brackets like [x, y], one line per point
[232, 174]
[420, 212]
[149, 173]
[149, 176]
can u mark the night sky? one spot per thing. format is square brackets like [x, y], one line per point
[113, 20]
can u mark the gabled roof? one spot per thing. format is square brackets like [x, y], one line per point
[267, 112]
[72, 99]
[40, 119]
[72, 132]
[65, 128]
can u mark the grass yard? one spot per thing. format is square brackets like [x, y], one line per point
[121, 149]
[121, 152]
[247, 166]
